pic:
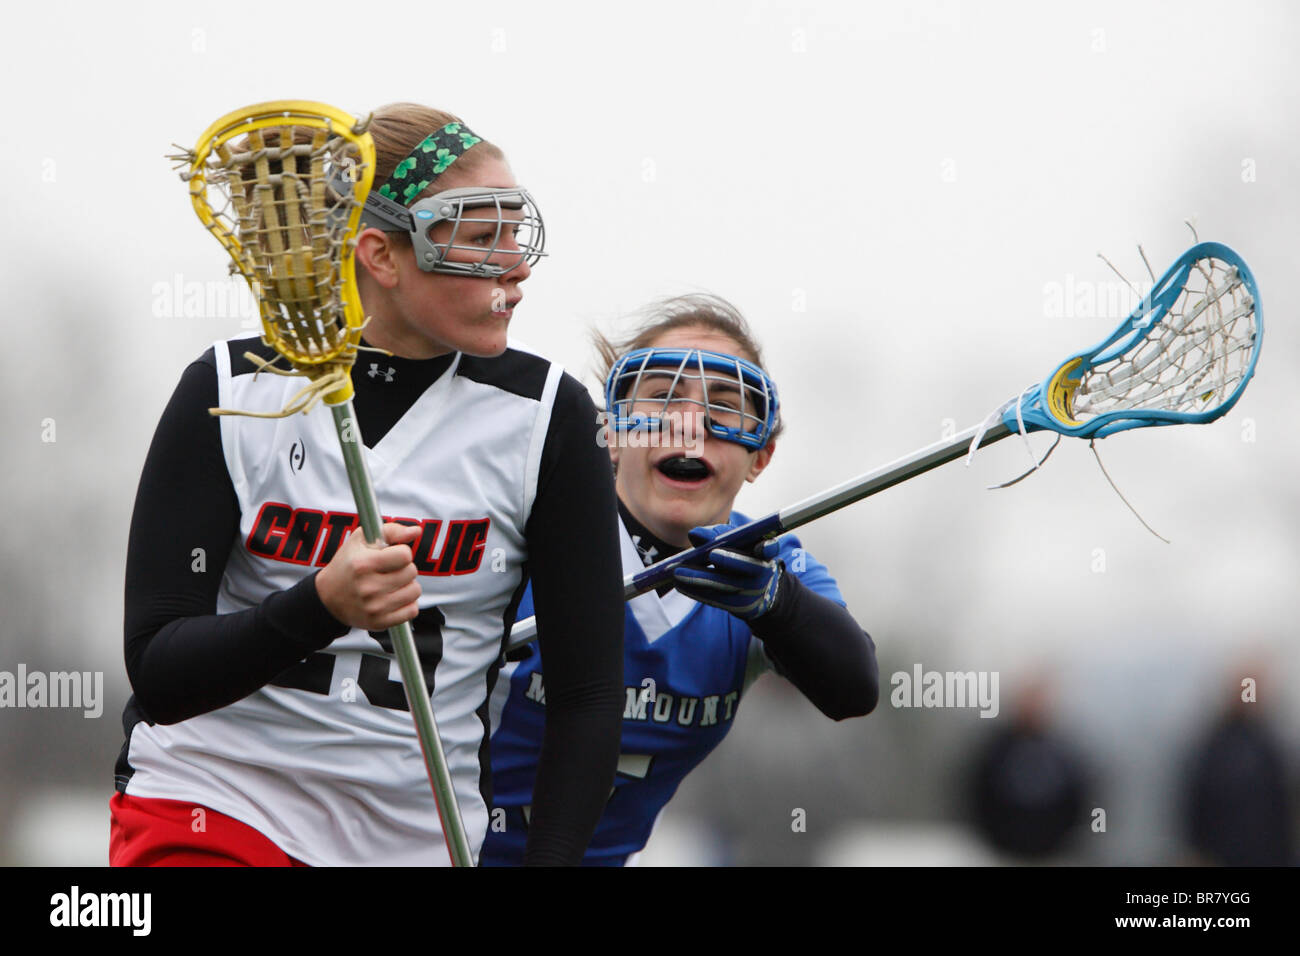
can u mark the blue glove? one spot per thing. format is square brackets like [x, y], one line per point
[746, 585]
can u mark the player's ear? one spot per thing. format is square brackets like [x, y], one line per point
[762, 458]
[377, 252]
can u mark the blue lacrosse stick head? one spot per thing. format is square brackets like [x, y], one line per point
[738, 399]
[1185, 354]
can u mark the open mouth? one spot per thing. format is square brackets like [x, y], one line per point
[684, 469]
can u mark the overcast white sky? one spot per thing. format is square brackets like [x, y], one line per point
[889, 192]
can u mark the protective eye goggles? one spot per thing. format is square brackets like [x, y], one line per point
[493, 231]
[738, 398]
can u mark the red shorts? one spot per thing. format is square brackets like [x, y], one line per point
[145, 831]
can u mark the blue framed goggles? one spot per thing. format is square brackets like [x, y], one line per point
[738, 399]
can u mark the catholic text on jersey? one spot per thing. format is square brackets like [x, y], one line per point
[296, 535]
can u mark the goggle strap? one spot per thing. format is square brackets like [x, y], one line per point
[393, 217]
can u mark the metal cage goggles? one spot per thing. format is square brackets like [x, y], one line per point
[738, 399]
[484, 232]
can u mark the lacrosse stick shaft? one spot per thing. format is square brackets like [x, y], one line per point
[408, 661]
[886, 476]
[800, 513]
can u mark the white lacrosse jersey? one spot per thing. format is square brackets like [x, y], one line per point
[325, 761]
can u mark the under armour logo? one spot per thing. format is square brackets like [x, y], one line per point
[649, 554]
[375, 373]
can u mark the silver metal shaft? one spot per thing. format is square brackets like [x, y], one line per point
[886, 476]
[819, 505]
[408, 661]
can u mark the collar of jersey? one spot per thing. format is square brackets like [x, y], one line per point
[413, 427]
[656, 615]
[642, 536]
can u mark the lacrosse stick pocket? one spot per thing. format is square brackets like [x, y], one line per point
[281, 186]
[1183, 356]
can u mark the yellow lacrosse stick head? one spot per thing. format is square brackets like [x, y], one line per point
[282, 185]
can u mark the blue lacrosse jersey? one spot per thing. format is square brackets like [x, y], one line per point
[685, 668]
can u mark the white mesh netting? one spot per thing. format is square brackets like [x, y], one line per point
[1192, 361]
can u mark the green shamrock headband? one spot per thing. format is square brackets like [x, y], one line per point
[427, 162]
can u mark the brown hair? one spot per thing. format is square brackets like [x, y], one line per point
[694, 311]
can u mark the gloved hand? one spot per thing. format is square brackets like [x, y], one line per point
[746, 585]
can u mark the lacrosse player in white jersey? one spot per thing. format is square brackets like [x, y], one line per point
[268, 725]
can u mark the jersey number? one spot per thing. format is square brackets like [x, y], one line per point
[316, 673]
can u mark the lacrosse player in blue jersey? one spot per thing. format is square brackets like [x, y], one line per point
[692, 416]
